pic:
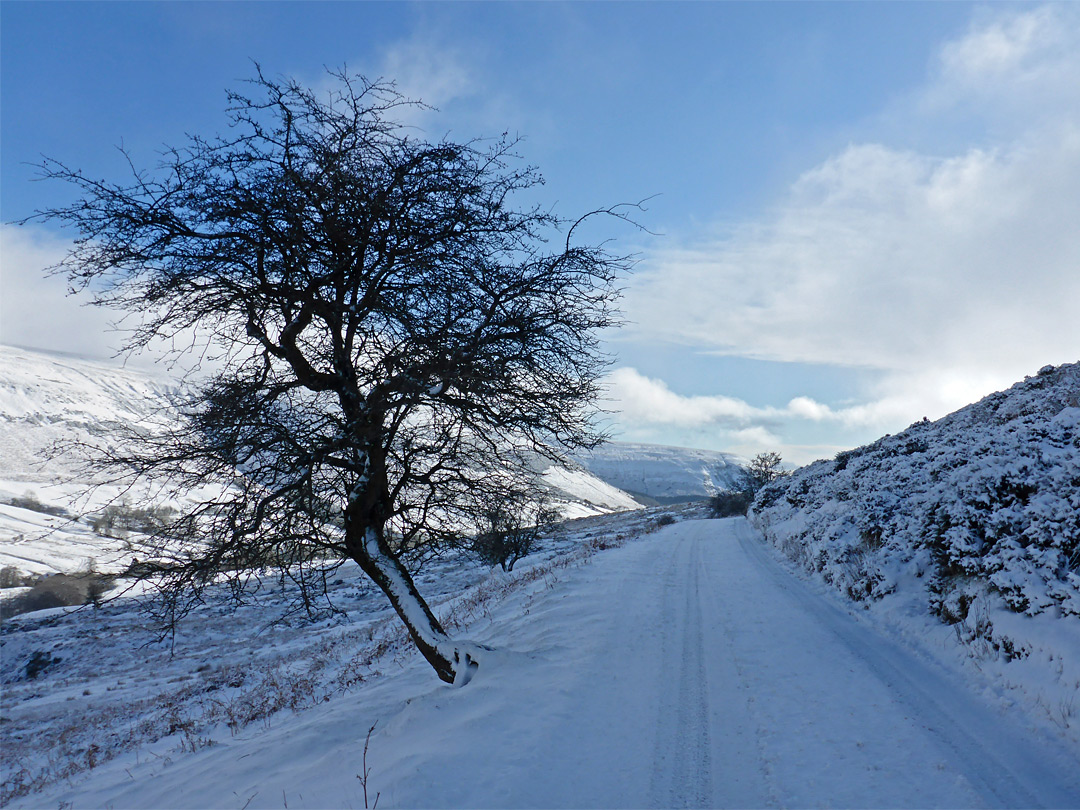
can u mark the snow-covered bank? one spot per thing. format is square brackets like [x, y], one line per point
[686, 668]
[966, 529]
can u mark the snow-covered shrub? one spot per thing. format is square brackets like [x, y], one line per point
[729, 504]
[984, 501]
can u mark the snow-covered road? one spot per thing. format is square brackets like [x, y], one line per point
[686, 669]
[691, 670]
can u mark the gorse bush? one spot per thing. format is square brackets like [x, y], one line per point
[729, 504]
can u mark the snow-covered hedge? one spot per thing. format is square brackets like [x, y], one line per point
[983, 501]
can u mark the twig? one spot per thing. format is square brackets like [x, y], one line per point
[363, 777]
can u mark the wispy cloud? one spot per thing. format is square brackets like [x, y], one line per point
[427, 71]
[454, 82]
[1011, 60]
[955, 274]
[422, 68]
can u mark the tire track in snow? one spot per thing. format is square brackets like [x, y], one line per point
[742, 770]
[682, 769]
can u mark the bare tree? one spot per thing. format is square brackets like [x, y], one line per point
[394, 337]
[511, 527]
[764, 468]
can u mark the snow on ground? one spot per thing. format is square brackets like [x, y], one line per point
[110, 683]
[46, 399]
[688, 667]
[37, 544]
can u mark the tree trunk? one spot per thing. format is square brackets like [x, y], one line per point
[371, 552]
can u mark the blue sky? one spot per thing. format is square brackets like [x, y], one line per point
[864, 213]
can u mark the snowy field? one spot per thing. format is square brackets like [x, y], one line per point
[684, 667]
[110, 684]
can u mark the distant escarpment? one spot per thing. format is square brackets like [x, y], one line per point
[657, 474]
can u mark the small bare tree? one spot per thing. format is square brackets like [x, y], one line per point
[389, 326]
[511, 527]
[764, 468]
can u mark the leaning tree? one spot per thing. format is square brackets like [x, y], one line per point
[393, 338]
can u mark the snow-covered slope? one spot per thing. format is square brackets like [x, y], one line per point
[45, 398]
[664, 474]
[986, 498]
[579, 493]
[973, 520]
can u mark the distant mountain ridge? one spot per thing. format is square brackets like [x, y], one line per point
[661, 474]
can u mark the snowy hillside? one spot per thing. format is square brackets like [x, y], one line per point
[579, 493]
[45, 398]
[973, 521]
[664, 474]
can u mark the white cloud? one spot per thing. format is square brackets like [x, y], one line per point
[890, 260]
[35, 310]
[649, 411]
[954, 274]
[1011, 60]
[427, 71]
[642, 400]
